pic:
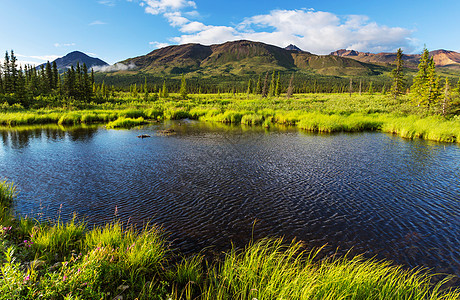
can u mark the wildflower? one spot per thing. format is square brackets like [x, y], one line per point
[64, 278]
[27, 278]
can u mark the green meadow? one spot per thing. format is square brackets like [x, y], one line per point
[57, 260]
[311, 112]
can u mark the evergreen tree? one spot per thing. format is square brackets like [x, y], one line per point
[445, 103]
[48, 78]
[21, 93]
[290, 87]
[14, 72]
[259, 86]
[146, 90]
[86, 84]
[7, 88]
[371, 88]
[399, 83]
[249, 87]
[265, 87]
[183, 88]
[55, 75]
[271, 92]
[420, 88]
[435, 89]
[278, 86]
[164, 90]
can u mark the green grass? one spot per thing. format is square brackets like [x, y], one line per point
[55, 260]
[312, 112]
[123, 122]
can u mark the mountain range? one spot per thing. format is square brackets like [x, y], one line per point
[243, 57]
[442, 58]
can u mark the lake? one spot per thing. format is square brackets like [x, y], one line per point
[212, 184]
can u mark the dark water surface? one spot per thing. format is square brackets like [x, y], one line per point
[370, 192]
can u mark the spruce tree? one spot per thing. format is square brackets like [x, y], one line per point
[371, 88]
[271, 92]
[290, 87]
[7, 88]
[278, 86]
[14, 71]
[183, 88]
[259, 86]
[445, 103]
[164, 90]
[399, 83]
[249, 87]
[55, 75]
[265, 87]
[146, 90]
[420, 88]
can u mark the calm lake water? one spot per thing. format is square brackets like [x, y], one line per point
[373, 193]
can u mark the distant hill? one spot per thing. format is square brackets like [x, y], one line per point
[71, 59]
[442, 58]
[241, 58]
[292, 47]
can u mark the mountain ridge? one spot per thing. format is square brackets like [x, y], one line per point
[441, 57]
[242, 57]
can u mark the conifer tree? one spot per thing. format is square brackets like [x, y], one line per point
[14, 71]
[259, 86]
[249, 87]
[183, 88]
[419, 88]
[271, 92]
[48, 84]
[445, 103]
[265, 87]
[7, 88]
[55, 76]
[290, 87]
[146, 90]
[371, 88]
[164, 90]
[399, 83]
[278, 86]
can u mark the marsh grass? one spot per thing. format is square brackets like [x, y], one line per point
[123, 122]
[312, 112]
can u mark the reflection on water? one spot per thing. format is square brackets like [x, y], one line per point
[373, 193]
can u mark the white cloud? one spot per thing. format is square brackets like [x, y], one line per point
[107, 2]
[57, 45]
[315, 31]
[97, 22]
[156, 7]
[158, 45]
[114, 68]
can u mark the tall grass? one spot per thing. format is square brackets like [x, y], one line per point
[312, 112]
[270, 270]
[123, 122]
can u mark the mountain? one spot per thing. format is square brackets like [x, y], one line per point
[292, 47]
[71, 59]
[243, 57]
[442, 58]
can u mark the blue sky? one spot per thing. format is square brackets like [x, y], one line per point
[114, 30]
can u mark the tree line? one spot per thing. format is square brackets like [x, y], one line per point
[31, 86]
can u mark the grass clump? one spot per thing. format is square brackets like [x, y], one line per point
[123, 122]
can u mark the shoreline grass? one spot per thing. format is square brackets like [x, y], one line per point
[311, 112]
[56, 260]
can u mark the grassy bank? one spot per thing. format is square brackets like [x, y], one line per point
[55, 260]
[312, 112]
